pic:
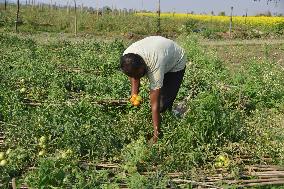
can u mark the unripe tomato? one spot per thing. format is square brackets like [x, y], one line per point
[3, 162]
[23, 90]
[218, 164]
[64, 155]
[41, 153]
[226, 162]
[2, 155]
[139, 98]
[221, 158]
[69, 151]
[8, 151]
[42, 139]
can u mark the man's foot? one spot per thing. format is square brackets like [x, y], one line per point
[179, 111]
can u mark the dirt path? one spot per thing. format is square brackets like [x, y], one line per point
[242, 42]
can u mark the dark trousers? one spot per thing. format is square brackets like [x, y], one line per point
[171, 85]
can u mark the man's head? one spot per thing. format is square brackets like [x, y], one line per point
[133, 65]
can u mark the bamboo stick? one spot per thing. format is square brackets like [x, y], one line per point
[265, 168]
[78, 70]
[179, 181]
[14, 183]
[264, 183]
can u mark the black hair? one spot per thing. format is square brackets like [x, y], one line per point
[133, 65]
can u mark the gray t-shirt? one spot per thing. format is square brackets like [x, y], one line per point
[161, 55]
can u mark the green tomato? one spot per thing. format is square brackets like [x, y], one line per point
[42, 140]
[139, 98]
[69, 152]
[64, 155]
[218, 164]
[41, 153]
[8, 151]
[226, 162]
[3, 162]
[23, 90]
[2, 155]
[43, 146]
[221, 158]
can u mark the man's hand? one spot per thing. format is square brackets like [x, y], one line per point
[155, 106]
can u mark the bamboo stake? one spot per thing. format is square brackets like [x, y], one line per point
[194, 182]
[264, 183]
[116, 102]
[14, 183]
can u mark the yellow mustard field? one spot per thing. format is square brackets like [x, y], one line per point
[250, 20]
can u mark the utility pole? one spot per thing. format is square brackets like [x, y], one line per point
[75, 17]
[231, 21]
[97, 5]
[5, 5]
[159, 17]
[246, 16]
[67, 6]
[17, 18]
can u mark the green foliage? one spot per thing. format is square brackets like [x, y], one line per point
[279, 28]
[54, 172]
[48, 95]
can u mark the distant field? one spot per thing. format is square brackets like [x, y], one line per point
[67, 123]
[44, 19]
[249, 20]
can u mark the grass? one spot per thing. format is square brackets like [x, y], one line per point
[236, 105]
[237, 54]
[233, 113]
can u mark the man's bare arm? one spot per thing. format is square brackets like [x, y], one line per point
[135, 84]
[155, 105]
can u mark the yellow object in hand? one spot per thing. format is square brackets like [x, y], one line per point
[135, 100]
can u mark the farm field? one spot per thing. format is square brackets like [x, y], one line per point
[65, 119]
[59, 112]
[134, 25]
[237, 52]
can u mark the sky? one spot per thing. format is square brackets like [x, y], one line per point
[197, 6]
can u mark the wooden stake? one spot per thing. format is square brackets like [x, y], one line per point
[14, 183]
